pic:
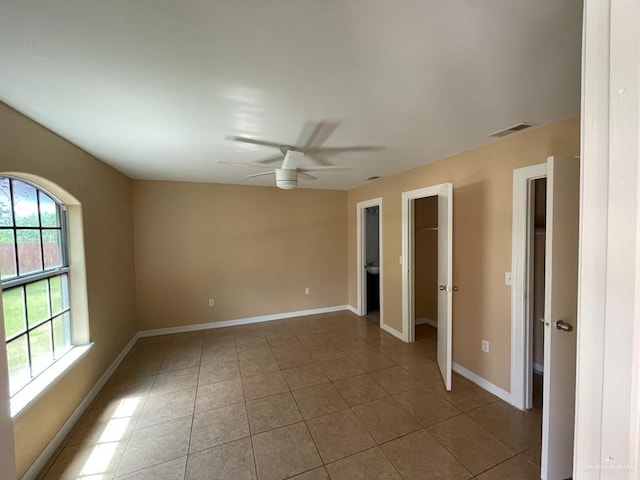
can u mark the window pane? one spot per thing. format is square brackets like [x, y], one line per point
[13, 311]
[37, 302]
[41, 348]
[6, 215]
[48, 211]
[59, 289]
[61, 334]
[25, 205]
[18, 359]
[7, 254]
[29, 252]
[51, 244]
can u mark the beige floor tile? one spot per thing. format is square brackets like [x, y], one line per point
[218, 354]
[254, 351]
[284, 452]
[315, 474]
[353, 346]
[312, 339]
[156, 444]
[339, 435]
[340, 368]
[319, 400]
[368, 465]
[218, 395]
[403, 354]
[140, 365]
[171, 470]
[516, 428]
[284, 344]
[426, 406]
[264, 385]
[118, 389]
[304, 376]
[516, 468]
[293, 358]
[464, 395]
[329, 351]
[370, 360]
[359, 389]
[428, 348]
[175, 381]
[229, 461]
[218, 371]
[272, 412]
[181, 358]
[395, 379]
[103, 425]
[418, 456]
[259, 366]
[385, 419]
[533, 454]
[87, 460]
[471, 444]
[167, 406]
[215, 427]
[425, 370]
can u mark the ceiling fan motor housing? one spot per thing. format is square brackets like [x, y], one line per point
[286, 179]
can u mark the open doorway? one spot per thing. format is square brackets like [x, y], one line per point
[369, 260]
[425, 268]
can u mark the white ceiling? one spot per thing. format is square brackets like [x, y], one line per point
[153, 87]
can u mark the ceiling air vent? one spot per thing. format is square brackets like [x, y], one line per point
[510, 130]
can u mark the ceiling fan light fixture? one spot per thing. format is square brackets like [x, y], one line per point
[286, 179]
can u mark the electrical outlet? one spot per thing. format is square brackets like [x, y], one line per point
[485, 346]
[212, 302]
[507, 279]
[307, 291]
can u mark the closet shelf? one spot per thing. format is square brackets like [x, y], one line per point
[428, 229]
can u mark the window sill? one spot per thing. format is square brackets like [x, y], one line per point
[26, 397]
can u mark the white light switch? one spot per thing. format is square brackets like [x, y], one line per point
[400, 259]
[507, 278]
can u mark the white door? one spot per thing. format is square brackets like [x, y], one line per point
[561, 293]
[445, 280]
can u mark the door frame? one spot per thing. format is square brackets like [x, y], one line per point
[361, 249]
[521, 273]
[408, 254]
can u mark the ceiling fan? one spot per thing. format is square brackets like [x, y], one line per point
[288, 173]
[309, 144]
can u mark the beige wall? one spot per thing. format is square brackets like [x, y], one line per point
[253, 249]
[106, 199]
[482, 203]
[426, 258]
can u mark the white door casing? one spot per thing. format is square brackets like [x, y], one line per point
[561, 296]
[444, 192]
[361, 252]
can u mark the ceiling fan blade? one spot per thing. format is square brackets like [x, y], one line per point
[306, 176]
[271, 172]
[315, 134]
[359, 148]
[254, 141]
[252, 165]
[319, 159]
[326, 168]
[274, 159]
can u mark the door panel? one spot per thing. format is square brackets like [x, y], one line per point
[445, 273]
[561, 293]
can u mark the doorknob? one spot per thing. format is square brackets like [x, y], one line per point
[442, 287]
[564, 326]
[455, 289]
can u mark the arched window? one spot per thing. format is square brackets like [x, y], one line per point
[34, 272]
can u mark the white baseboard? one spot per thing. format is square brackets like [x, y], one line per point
[392, 331]
[240, 321]
[42, 460]
[538, 367]
[483, 383]
[353, 310]
[427, 321]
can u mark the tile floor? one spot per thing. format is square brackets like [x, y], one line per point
[329, 396]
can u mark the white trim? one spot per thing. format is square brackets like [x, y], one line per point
[26, 397]
[392, 331]
[360, 252]
[483, 383]
[241, 321]
[521, 357]
[353, 310]
[427, 321]
[538, 367]
[41, 462]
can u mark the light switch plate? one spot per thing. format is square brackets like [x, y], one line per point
[507, 278]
